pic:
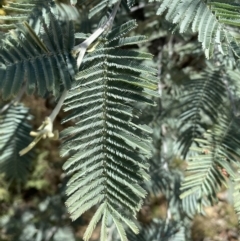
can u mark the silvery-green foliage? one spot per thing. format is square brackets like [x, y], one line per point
[15, 127]
[107, 168]
[114, 110]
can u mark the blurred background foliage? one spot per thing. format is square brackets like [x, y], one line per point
[34, 209]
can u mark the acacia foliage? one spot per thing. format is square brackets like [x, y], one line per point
[186, 99]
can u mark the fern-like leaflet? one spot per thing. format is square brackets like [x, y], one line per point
[14, 136]
[45, 62]
[108, 150]
[218, 151]
[32, 11]
[160, 230]
[200, 99]
[214, 22]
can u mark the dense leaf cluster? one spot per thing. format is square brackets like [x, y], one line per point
[139, 110]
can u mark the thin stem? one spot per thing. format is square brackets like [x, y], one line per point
[58, 106]
[15, 101]
[5, 107]
[46, 129]
[81, 48]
